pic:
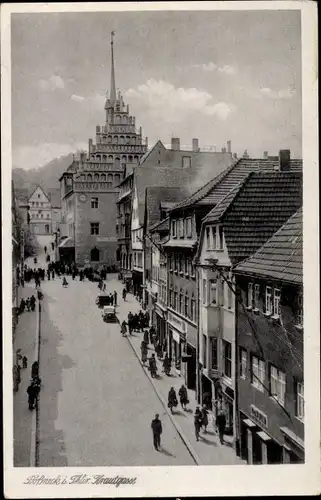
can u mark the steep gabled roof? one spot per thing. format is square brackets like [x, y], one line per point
[148, 152]
[218, 187]
[281, 257]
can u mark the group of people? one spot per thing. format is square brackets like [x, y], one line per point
[111, 298]
[29, 304]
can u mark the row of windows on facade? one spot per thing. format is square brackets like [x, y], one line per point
[182, 264]
[182, 303]
[138, 259]
[214, 237]
[217, 292]
[138, 236]
[271, 304]
[39, 204]
[114, 159]
[274, 385]
[181, 228]
[39, 215]
[121, 139]
[124, 119]
[110, 179]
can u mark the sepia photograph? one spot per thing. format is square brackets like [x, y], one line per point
[156, 240]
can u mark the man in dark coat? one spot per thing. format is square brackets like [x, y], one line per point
[156, 426]
[115, 298]
[221, 423]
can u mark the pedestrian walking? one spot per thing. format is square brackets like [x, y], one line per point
[221, 424]
[24, 362]
[172, 399]
[32, 392]
[183, 397]
[28, 304]
[197, 422]
[153, 366]
[144, 351]
[124, 294]
[16, 377]
[146, 337]
[204, 412]
[157, 429]
[111, 299]
[115, 298]
[45, 249]
[52, 245]
[123, 328]
[22, 306]
[35, 370]
[167, 365]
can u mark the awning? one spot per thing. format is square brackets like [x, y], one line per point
[249, 422]
[293, 437]
[263, 436]
[180, 243]
[67, 243]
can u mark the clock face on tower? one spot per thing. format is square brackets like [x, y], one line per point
[82, 198]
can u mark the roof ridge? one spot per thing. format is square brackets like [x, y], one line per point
[219, 177]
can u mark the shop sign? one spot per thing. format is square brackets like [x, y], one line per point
[176, 322]
[259, 416]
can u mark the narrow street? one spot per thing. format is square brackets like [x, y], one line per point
[96, 404]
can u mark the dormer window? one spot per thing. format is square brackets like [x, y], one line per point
[268, 300]
[250, 295]
[276, 302]
[188, 227]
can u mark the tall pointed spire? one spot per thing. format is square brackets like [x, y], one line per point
[112, 94]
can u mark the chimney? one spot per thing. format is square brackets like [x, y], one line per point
[140, 130]
[265, 155]
[284, 160]
[146, 142]
[235, 156]
[245, 154]
[229, 147]
[90, 143]
[223, 150]
[175, 144]
[195, 147]
[97, 129]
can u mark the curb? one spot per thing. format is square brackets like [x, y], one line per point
[181, 434]
[35, 414]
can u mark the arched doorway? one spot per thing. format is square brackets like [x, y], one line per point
[94, 255]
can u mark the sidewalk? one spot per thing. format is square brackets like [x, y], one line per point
[208, 450]
[25, 339]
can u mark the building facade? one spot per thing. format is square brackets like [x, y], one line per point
[270, 349]
[234, 229]
[40, 212]
[90, 187]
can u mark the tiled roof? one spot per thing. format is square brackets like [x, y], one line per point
[218, 187]
[218, 211]
[261, 206]
[281, 257]
[160, 226]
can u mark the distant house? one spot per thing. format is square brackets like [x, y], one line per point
[40, 212]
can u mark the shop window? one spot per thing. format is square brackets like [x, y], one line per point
[300, 400]
[94, 255]
[250, 295]
[214, 353]
[257, 373]
[277, 384]
[213, 291]
[94, 202]
[204, 351]
[243, 363]
[268, 300]
[276, 302]
[94, 228]
[227, 350]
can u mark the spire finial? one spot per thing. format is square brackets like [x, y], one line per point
[112, 75]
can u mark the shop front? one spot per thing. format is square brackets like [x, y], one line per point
[190, 357]
[160, 321]
[137, 283]
[176, 341]
[256, 444]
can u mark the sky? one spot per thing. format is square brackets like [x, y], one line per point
[213, 75]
